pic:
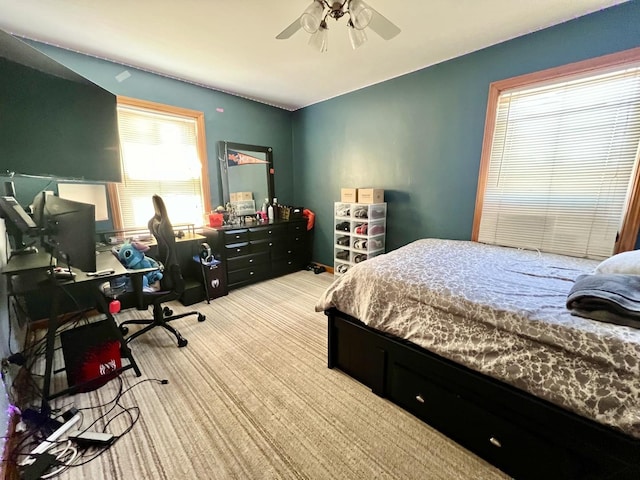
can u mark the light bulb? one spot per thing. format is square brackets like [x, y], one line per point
[312, 17]
[360, 13]
[320, 39]
[357, 37]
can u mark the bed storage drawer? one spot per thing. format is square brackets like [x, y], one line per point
[524, 436]
[487, 434]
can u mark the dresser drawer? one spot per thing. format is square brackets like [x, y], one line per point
[287, 264]
[298, 227]
[236, 249]
[267, 232]
[297, 239]
[273, 246]
[246, 261]
[235, 236]
[249, 274]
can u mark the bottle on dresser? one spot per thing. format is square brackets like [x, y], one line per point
[276, 208]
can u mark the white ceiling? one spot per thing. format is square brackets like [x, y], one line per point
[230, 45]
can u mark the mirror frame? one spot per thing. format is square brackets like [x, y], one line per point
[223, 146]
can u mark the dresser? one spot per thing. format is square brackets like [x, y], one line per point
[256, 252]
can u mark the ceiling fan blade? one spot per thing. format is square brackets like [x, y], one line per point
[383, 27]
[290, 30]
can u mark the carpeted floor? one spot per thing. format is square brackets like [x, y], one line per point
[251, 397]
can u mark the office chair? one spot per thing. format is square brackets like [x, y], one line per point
[172, 284]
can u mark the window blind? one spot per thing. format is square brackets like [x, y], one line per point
[561, 164]
[160, 156]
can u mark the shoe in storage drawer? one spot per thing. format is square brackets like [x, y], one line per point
[237, 249]
[261, 233]
[236, 236]
[249, 274]
[247, 261]
[504, 444]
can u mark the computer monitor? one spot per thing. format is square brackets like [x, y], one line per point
[17, 222]
[70, 231]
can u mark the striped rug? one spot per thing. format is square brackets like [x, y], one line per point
[251, 397]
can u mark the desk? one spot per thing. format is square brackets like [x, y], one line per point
[187, 245]
[28, 273]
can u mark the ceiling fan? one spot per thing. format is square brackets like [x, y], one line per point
[314, 21]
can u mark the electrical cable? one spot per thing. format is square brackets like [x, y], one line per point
[132, 412]
[64, 464]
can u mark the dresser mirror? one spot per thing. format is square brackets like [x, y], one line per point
[246, 174]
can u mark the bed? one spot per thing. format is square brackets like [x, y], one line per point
[477, 341]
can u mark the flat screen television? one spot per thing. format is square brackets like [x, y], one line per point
[69, 231]
[53, 121]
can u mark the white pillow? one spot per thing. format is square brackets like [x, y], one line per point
[625, 262]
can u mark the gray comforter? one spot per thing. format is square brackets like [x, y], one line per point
[500, 311]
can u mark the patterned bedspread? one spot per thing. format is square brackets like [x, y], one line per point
[500, 311]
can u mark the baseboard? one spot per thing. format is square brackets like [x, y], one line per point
[327, 268]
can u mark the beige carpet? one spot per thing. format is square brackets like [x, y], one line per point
[251, 397]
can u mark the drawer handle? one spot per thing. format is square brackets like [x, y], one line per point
[237, 236]
[420, 398]
[289, 251]
[251, 260]
[269, 232]
[270, 244]
[238, 250]
[495, 442]
[251, 273]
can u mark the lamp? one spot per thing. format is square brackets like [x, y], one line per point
[320, 39]
[356, 37]
[314, 21]
[360, 14]
[312, 17]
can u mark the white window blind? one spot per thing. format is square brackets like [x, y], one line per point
[562, 160]
[160, 156]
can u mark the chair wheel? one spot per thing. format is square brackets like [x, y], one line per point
[167, 312]
[182, 342]
[201, 317]
[124, 330]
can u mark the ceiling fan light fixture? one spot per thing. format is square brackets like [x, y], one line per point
[320, 40]
[311, 18]
[356, 37]
[361, 14]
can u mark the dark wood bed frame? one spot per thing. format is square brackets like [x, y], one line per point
[524, 436]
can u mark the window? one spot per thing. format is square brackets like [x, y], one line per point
[559, 163]
[163, 153]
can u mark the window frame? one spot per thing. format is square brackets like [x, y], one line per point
[201, 145]
[628, 233]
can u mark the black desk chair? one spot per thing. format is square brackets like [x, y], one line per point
[172, 284]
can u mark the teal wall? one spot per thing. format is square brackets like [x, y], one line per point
[242, 120]
[419, 136]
